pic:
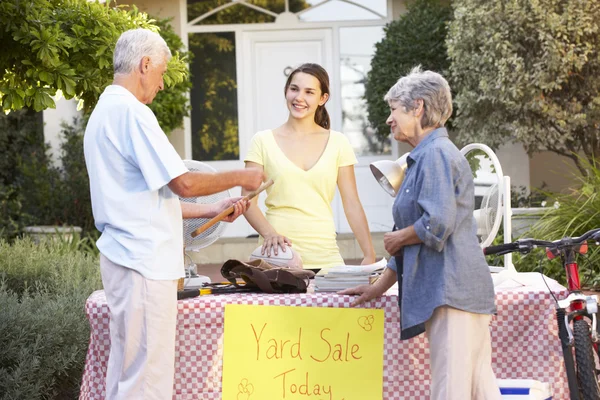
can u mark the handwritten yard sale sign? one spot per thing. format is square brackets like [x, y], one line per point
[296, 353]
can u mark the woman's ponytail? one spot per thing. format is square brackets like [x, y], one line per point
[322, 117]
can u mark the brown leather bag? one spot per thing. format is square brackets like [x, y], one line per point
[269, 279]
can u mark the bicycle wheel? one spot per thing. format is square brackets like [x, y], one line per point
[584, 361]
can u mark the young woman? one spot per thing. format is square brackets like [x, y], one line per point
[306, 160]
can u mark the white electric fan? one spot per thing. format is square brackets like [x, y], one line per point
[494, 189]
[191, 244]
[487, 214]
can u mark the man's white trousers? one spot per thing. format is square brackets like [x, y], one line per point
[143, 314]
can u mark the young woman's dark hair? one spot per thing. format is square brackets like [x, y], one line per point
[321, 116]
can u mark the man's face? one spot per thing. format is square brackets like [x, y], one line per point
[152, 78]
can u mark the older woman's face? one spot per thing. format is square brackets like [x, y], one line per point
[402, 123]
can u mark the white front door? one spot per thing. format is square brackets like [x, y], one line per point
[267, 59]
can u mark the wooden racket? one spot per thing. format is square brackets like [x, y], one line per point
[229, 210]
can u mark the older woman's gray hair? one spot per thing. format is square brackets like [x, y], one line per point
[428, 86]
[135, 44]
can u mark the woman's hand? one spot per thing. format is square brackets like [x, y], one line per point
[369, 292]
[392, 242]
[368, 260]
[365, 292]
[240, 205]
[273, 242]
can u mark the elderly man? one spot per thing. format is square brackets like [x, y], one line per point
[136, 177]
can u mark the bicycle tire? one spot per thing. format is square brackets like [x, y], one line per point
[584, 361]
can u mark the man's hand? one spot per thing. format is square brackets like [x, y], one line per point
[240, 205]
[251, 178]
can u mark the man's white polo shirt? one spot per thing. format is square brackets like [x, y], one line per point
[130, 161]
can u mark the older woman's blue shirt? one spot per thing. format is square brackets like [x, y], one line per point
[448, 268]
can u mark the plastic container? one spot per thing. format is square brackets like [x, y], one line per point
[524, 389]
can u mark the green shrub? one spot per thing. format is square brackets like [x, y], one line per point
[12, 217]
[520, 197]
[58, 266]
[43, 325]
[43, 194]
[44, 345]
[76, 202]
[40, 186]
[527, 71]
[20, 133]
[578, 211]
[417, 37]
[52, 45]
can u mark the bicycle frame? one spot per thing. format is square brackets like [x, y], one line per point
[574, 307]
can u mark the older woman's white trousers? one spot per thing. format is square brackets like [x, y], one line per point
[461, 356]
[143, 313]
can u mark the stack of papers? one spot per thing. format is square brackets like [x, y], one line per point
[346, 276]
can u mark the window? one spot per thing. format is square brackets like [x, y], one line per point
[214, 97]
[340, 10]
[357, 46]
[223, 12]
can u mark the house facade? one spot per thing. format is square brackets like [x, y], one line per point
[242, 54]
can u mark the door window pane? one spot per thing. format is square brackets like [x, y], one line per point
[357, 46]
[214, 97]
[338, 10]
[239, 13]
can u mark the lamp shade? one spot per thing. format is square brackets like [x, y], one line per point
[390, 174]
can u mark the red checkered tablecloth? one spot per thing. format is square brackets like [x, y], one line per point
[524, 338]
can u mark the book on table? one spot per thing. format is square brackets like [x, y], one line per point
[346, 276]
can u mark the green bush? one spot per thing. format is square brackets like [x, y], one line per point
[171, 105]
[527, 71]
[36, 192]
[12, 217]
[52, 45]
[76, 202]
[58, 266]
[520, 197]
[578, 211]
[43, 325]
[20, 133]
[417, 37]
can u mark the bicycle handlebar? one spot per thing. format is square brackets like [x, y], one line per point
[501, 249]
[526, 245]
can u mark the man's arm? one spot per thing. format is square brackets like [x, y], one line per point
[193, 183]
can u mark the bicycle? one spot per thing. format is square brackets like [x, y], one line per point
[572, 313]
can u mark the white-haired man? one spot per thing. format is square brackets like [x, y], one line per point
[136, 177]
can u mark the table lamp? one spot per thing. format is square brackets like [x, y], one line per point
[390, 174]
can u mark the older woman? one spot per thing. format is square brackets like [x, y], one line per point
[445, 287]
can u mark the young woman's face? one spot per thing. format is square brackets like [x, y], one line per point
[304, 95]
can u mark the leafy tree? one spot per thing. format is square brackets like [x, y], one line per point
[172, 105]
[417, 37]
[214, 95]
[67, 46]
[528, 71]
